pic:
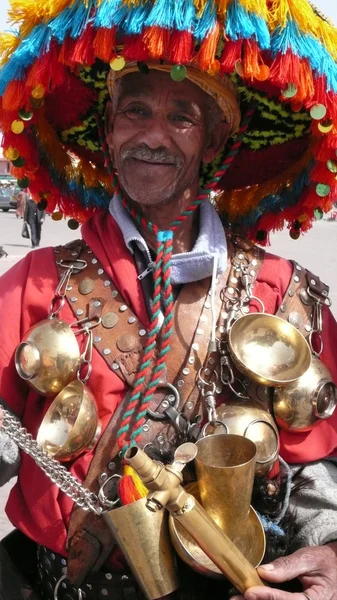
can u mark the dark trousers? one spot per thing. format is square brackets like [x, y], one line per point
[35, 232]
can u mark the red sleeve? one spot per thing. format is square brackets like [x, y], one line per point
[24, 297]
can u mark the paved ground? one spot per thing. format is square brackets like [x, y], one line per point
[317, 251]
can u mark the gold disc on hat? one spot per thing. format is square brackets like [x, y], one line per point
[17, 126]
[109, 320]
[118, 63]
[325, 126]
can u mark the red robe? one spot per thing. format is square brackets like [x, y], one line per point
[36, 505]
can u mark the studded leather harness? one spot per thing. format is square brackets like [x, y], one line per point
[119, 340]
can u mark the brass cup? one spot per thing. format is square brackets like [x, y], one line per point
[71, 424]
[48, 356]
[144, 538]
[268, 349]
[300, 406]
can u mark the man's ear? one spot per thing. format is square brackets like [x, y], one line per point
[216, 142]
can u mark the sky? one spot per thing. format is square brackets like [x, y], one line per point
[328, 7]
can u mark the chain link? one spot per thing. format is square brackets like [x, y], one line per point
[56, 472]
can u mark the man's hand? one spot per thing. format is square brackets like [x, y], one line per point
[315, 567]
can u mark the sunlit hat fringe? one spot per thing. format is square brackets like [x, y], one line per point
[279, 48]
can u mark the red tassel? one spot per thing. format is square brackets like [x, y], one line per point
[285, 69]
[15, 96]
[67, 49]
[83, 51]
[231, 54]
[135, 49]
[180, 50]
[104, 44]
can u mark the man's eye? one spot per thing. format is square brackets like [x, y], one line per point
[181, 119]
[135, 111]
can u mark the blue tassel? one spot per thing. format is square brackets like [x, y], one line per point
[110, 14]
[206, 23]
[71, 21]
[34, 45]
[80, 19]
[135, 19]
[170, 14]
[242, 24]
[276, 203]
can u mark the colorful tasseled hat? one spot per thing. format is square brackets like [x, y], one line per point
[279, 167]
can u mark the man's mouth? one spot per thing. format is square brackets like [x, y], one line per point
[154, 162]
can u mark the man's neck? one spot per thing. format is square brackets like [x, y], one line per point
[164, 214]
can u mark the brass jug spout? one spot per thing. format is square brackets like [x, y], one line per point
[164, 483]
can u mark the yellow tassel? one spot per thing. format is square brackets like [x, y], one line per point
[258, 7]
[8, 43]
[28, 14]
[307, 20]
[200, 6]
[140, 487]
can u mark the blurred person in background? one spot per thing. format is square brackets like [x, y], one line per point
[20, 205]
[34, 217]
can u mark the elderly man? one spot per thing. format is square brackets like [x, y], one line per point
[138, 318]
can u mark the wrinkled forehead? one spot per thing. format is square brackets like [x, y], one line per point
[160, 87]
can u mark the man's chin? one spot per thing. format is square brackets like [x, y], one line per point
[150, 195]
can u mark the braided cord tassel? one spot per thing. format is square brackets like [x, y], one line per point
[165, 239]
[145, 367]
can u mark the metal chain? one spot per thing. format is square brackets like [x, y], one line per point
[56, 472]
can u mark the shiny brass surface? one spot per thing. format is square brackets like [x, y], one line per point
[144, 539]
[268, 349]
[165, 490]
[71, 424]
[300, 406]
[48, 356]
[250, 540]
[249, 419]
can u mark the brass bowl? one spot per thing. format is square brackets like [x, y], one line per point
[71, 424]
[268, 349]
[301, 405]
[250, 541]
[48, 356]
[248, 419]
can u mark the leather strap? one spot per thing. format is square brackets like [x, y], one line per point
[304, 290]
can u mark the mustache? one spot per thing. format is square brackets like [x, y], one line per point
[159, 155]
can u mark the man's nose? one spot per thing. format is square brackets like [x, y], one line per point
[155, 133]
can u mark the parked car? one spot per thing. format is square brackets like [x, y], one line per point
[6, 199]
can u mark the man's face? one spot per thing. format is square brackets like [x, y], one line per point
[158, 137]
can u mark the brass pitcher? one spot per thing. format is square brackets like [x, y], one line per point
[225, 466]
[144, 538]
